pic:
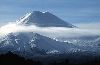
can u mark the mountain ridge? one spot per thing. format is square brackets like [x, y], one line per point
[33, 43]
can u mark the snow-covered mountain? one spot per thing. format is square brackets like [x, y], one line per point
[46, 19]
[82, 40]
[43, 19]
[32, 43]
[28, 43]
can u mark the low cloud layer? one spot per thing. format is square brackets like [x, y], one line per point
[49, 31]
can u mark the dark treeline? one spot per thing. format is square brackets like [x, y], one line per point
[13, 59]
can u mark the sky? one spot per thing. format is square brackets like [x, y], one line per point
[72, 11]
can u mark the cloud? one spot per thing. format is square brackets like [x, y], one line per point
[49, 31]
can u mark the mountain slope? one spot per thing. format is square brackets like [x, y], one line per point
[43, 19]
[32, 43]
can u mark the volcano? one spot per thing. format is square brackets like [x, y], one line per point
[43, 19]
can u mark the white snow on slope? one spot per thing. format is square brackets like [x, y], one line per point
[20, 21]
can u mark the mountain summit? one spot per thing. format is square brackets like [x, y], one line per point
[43, 19]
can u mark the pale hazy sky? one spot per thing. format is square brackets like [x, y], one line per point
[73, 11]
